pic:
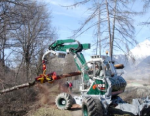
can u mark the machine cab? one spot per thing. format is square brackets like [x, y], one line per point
[101, 67]
[102, 74]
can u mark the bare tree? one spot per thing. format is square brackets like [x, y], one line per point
[34, 33]
[4, 26]
[25, 28]
[9, 20]
[115, 23]
[146, 6]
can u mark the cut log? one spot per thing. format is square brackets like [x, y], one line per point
[17, 87]
[33, 83]
[69, 75]
[119, 66]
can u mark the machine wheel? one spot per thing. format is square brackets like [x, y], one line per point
[64, 101]
[91, 107]
[146, 112]
[73, 101]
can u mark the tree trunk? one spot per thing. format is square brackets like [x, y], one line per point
[109, 28]
[17, 87]
[3, 42]
[113, 33]
[99, 21]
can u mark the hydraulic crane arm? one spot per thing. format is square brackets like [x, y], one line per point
[60, 45]
[75, 49]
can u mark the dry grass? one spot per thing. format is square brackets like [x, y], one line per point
[135, 92]
[49, 111]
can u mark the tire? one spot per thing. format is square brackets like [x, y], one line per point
[64, 101]
[73, 101]
[146, 112]
[91, 107]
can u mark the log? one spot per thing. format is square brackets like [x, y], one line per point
[119, 66]
[17, 87]
[69, 75]
[33, 83]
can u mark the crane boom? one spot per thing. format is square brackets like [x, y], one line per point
[75, 50]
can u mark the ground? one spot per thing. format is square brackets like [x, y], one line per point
[133, 90]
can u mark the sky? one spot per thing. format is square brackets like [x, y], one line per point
[65, 20]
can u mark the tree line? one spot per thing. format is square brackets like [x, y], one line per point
[25, 32]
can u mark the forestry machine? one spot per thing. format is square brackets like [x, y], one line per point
[100, 85]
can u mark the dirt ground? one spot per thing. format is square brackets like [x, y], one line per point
[76, 110]
[133, 90]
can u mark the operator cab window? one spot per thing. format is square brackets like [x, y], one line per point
[107, 69]
[90, 70]
[95, 69]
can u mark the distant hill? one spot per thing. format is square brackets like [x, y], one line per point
[141, 67]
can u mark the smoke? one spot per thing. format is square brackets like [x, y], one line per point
[63, 87]
[44, 96]
[48, 92]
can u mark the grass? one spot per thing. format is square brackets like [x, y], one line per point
[49, 111]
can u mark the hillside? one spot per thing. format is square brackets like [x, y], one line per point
[137, 66]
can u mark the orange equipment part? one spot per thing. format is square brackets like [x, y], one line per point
[53, 76]
[119, 66]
